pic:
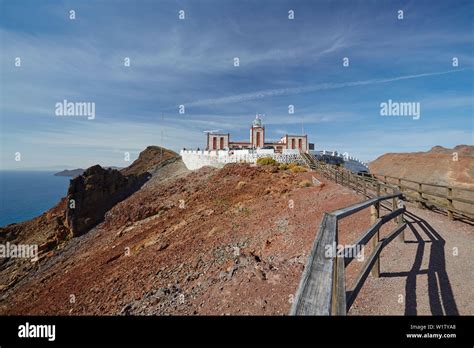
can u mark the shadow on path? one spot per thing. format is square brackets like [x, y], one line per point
[441, 297]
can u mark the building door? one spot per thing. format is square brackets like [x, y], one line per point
[300, 144]
[221, 145]
[258, 139]
[292, 143]
[214, 143]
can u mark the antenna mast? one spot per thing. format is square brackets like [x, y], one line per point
[161, 147]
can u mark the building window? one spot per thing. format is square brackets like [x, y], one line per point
[258, 139]
[214, 143]
[221, 145]
[300, 144]
[292, 143]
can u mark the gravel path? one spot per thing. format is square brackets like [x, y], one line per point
[430, 274]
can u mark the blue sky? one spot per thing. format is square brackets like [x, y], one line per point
[190, 62]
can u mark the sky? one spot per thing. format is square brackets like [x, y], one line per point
[190, 62]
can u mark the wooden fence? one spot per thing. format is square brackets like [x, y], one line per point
[456, 201]
[322, 289]
[440, 196]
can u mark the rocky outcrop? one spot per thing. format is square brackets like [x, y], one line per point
[460, 150]
[149, 160]
[97, 190]
[93, 193]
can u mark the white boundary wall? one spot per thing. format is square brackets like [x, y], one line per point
[195, 159]
[344, 156]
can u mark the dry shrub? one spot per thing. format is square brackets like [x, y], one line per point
[292, 165]
[305, 183]
[265, 161]
[298, 169]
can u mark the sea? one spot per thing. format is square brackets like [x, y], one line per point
[27, 194]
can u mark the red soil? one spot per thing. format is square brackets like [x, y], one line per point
[213, 241]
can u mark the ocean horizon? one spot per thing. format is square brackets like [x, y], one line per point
[27, 194]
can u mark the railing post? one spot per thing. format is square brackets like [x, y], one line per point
[420, 195]
[399, 184]
[365, 188]
[401, 236]
[399, 220]
[378, 190]
[450, 203]
[374, 215]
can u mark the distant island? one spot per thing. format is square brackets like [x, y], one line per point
[79, 171]
[71, 173]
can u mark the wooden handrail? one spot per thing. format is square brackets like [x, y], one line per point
[340, 213]
[322, 289]
[365, 238]
[314, 295]
[351, 296]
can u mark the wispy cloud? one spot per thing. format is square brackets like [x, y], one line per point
[243, 97]
[189, 62]
[102, 142]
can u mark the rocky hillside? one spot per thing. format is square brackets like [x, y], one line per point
[438, 166]
[212, 241]
[47, 231]
[89, 197]
[461, 150]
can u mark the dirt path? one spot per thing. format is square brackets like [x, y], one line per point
[430, 274]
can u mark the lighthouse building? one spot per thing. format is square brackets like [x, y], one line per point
[222, 141]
